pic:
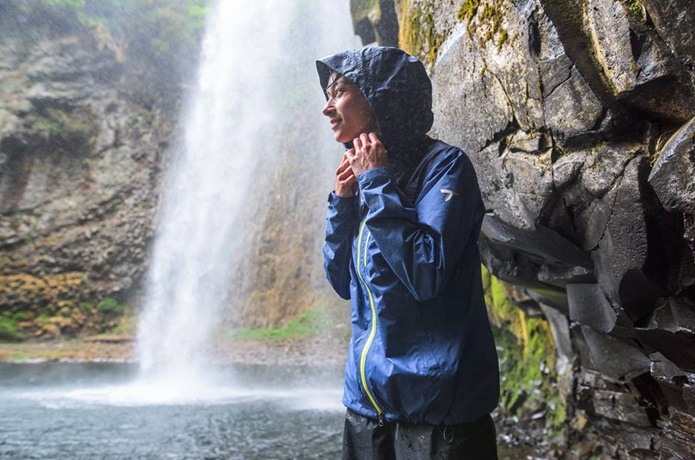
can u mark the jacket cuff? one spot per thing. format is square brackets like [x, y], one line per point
[372, 174]
[341, 201]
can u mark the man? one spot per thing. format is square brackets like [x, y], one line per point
[401, 243]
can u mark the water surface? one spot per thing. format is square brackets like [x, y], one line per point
[99, 411]
[72, 411]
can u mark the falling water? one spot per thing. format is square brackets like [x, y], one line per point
[232, 111]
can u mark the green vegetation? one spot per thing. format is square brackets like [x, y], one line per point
[110, 316]
[18, 357]
[9, 326]
[467, 10]
[50, 125]
[126, 324]
[491, 19]
[311, 322]
[163, 31]
[109, 306]
[527, 360]
[488, 25]
[71, 130]
[419, 36]
[417, 33]
[635, 9]
[502, 38]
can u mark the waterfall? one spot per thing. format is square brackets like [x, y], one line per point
[249, 48]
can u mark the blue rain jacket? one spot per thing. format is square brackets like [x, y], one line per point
[404, 251]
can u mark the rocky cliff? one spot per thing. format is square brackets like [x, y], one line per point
[578, 115]
[83, 125]
[89, 108]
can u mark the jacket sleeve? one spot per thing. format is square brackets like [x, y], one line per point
[337, 246]
[423, 242]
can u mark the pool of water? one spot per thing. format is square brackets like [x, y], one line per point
[102, 411]
[72, 411]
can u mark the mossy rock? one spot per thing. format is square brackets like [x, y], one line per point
[527, 360]
[417, 33]
[9, 327]
[71, 130]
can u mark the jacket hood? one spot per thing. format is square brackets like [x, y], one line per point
[396, 85]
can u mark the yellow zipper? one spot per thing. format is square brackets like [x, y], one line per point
[372, 332]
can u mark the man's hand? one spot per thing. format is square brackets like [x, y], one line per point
[368, 153]
[345, 179]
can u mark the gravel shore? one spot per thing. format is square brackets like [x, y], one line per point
[306, 351]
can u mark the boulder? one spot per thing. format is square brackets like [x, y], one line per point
[470, 105]
[614, 357]
[625, 270]
[674, 21]
[673, 174]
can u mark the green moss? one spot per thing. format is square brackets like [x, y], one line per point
[467, 10]
[18, 357]
[311, 322]
[635, 9]
[9, 327]
[126, 325]
[70, 129]
[50, 125]
[502, 38]
[109, 306]
[44, 319]
[527, 359]
[489, 16]
[417, 33]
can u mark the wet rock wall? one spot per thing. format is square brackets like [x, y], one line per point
[578, 115]
[81, 138]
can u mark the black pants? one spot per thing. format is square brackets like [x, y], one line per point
[364, 439]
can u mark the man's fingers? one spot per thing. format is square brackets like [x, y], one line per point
[373, 138]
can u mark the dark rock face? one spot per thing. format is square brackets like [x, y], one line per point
[579, 118]
[375, 21]
[79, 162]
[672, 175]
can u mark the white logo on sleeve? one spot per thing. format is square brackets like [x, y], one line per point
[448, 193]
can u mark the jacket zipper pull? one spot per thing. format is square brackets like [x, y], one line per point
[381, 419]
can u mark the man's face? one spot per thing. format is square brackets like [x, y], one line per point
[348, 110]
